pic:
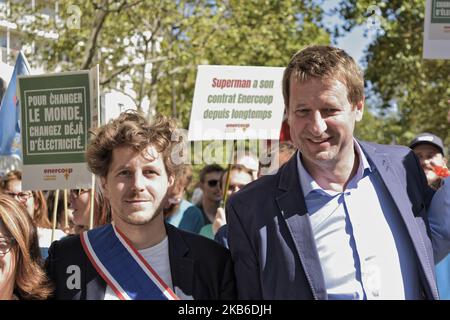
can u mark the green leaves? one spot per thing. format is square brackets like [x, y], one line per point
[154, 47]
[419, 89]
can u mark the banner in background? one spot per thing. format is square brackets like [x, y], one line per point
[436, 38]
[237, 103]
[57, 112]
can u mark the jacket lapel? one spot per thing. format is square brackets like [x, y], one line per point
[291, 203]
[181, 267]
[398, 193]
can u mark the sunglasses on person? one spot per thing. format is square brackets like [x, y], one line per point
[77, 192]
[21, 196]
[212, 183]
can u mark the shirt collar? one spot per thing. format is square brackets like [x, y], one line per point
[308, 184]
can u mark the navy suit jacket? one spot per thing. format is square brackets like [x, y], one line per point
[201, 268]
[271, 239]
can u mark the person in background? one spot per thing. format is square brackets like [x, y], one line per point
[280, 154]
[33, 200]
[430, 151]
[36, 205]
[178, 211]
[80, 204]
[61, 223]
[211, 196]
[70, 227]
[21, 273]
[239, 177]
[197, 194]
[250, 161]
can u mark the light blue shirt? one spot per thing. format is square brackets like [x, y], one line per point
[188, 217]
[364, 249]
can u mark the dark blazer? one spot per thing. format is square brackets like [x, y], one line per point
[271, 239]
[201, 269]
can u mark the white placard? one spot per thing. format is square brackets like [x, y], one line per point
[436, 38]
[237, 103]
[56, 176]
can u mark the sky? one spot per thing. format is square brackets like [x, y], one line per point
[354, 42]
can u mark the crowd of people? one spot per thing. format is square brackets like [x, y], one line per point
[336, 218]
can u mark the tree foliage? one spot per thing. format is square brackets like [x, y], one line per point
[413, 91]
[154, 47]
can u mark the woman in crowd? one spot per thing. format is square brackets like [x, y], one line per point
[65, 224]
[36, 205]
[21, 275]
[239, 177]
[79, 202]
[33, 200]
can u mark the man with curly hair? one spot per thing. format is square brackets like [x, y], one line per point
[138, 256]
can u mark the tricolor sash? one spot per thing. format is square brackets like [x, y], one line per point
[123, 268]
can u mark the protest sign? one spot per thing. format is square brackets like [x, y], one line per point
[236, 103]
[57, 110]
[436, 38]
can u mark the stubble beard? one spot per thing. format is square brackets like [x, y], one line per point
[325, 157]
[142, 219]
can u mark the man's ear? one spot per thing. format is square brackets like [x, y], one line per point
[104, 187]
[359, 110]
[171, 180]
[286, 116]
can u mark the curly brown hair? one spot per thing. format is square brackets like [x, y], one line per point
[132, 129]
[31, 283]
[324, 62]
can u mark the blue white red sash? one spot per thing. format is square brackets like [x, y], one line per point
[123, 268]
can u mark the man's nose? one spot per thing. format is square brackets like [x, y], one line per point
[138, 181]
[319, 124]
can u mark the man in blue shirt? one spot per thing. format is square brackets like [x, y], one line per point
[343, 219]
